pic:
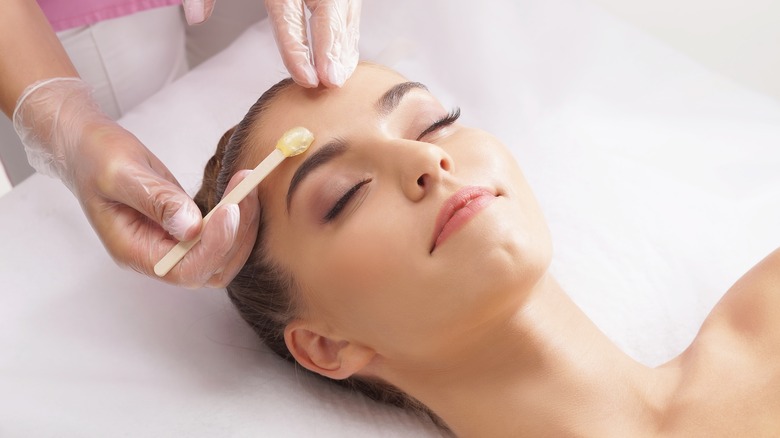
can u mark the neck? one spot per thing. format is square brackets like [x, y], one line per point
[543, 369]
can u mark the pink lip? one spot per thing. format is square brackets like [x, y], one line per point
[458, 210]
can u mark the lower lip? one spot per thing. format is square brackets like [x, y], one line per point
[463, 216]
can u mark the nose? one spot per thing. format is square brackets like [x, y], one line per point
[422, 167]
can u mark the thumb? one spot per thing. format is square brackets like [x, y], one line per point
[181, 219]
[160, 200]
[197, 11]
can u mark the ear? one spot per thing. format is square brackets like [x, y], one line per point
[333, 358]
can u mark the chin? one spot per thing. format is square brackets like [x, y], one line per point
[501, 250]
[492, 282]
[517, 258]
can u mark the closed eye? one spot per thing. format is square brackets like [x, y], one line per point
[343, 201]
[447, 120]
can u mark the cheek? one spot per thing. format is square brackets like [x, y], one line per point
[379, 253]
[480, 158]
[365, 272]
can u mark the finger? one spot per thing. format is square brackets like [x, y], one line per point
[224, 262]
[325, 22]
[245, 236]
[197, 11]
[158, 198]
[132, 239]
[335, 34]
[208, 256]
[289, 27]
[350, 39]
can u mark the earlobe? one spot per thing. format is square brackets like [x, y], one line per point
[332, 358]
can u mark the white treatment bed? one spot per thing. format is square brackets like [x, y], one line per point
[660, 180]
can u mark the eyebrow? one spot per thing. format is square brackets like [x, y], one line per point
[338, 146]
[324, 154]
[392, 97]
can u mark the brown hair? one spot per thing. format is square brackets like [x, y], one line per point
[264, 292]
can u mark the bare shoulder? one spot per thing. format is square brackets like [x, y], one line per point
[735, 359]
[751, 307]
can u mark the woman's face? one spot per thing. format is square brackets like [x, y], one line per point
[375, 228]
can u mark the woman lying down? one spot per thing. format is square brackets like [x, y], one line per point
[404, 255]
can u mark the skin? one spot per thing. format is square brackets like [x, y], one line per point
[478, 329]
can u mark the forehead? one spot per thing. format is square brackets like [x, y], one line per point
[323, 111]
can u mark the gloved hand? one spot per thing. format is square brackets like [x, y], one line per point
[334, 32]
[131, 199]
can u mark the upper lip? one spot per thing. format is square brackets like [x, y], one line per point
[458, 200]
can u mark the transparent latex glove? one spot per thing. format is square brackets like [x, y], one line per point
[135, 205]
[330, 57]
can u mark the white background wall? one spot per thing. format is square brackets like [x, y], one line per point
[738, 38]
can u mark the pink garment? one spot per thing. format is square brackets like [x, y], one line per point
[67, 14]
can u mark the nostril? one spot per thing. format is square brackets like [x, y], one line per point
[421, 181]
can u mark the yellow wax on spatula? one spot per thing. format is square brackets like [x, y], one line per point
[293, 142]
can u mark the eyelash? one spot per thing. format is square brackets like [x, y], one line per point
[344, 200]
[447, 120]
[333, 213]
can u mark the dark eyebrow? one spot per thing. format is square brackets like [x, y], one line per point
[392, 97]
[327, 152]
[336, 147]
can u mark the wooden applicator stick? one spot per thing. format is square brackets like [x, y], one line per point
[293, 142]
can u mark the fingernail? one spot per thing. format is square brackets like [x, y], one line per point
[194, 11]
[336, 74]
[233, 218]
[310, 76]
[181, 222]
